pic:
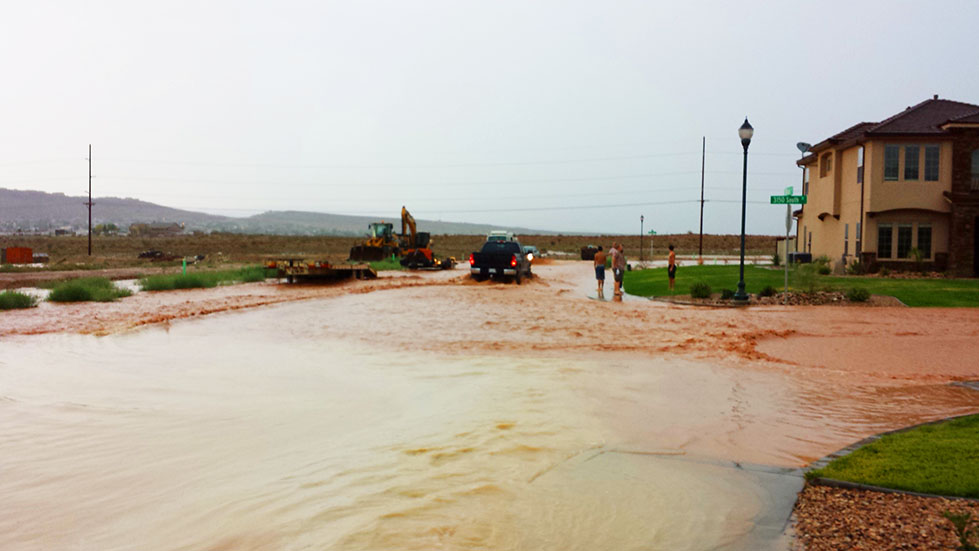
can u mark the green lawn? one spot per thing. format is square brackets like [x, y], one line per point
[934, 459]
[913, 292]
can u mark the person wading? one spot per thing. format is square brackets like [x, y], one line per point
[618, 267]
[600, 271]
[671, 268]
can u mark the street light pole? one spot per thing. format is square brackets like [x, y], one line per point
[745, 132]
[641, 218]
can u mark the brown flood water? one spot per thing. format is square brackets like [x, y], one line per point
[318, 425]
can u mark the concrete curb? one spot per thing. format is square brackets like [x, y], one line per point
[823, 461]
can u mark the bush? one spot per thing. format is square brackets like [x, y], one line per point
[98, 289]
[200, 280]
[805, 277]
[700, 290]
[10, 300]
[855, 268]
[727, 294]
[857, 294]
[884, 272]
[768, 291]
[776, 260]
[823, 269]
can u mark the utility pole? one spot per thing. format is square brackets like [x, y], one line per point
[703, 155]
[89, 203]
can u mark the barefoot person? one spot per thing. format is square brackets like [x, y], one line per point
[671, 267]
[618, 266]
[600, 271]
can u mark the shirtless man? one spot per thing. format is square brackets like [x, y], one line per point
[600, 271]
[671, 268]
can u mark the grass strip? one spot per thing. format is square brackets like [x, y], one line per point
[938, 459]
[199, 280]
[387, 264]
[11, 300]
[87, 289]
[913, 292]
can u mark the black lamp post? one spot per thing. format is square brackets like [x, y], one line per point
[745, 132]
[641, 218]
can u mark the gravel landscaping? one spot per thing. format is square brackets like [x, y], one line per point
[831, 519]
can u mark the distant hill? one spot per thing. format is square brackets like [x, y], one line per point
[40, 211]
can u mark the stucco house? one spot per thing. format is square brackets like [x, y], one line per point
[897, 192]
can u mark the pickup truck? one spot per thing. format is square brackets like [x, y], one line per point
[499, 259]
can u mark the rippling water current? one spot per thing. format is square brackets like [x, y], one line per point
[257, 431]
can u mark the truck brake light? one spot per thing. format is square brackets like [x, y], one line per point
[513, 261]
[472, 260]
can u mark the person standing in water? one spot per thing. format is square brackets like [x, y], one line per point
[600, 271]
[618, 267]
[671, 267]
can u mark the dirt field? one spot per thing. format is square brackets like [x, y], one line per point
[219, 249]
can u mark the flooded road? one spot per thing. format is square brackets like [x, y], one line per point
[319, 425]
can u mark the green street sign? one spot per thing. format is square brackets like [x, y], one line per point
[788, 199]
[789, 190]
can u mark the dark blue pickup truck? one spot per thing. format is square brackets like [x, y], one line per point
[499, 259]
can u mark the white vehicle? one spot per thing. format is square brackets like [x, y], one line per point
[500, 236]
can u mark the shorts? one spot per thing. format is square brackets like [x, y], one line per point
[600, 273]
[617, 273]
[671, 271]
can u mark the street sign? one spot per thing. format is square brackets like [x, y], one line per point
[788, 199]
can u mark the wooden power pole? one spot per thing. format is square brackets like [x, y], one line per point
[703, 155]
[89, 203]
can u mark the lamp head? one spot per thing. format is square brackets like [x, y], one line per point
[746, 131]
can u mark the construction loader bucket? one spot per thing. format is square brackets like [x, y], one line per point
[367, 254]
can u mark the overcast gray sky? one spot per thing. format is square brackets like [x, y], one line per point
[560, 115]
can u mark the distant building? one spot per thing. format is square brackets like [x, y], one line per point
[155, 229]
[881, 192]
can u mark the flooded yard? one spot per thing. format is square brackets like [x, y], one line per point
[362, 422]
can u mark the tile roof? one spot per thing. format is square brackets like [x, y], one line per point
[853, 131]
[924, 118]
[970, 118]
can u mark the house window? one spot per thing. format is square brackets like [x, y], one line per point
[858, 237]
[911, 157]
[846, 239]
[904, 240]
[931, 163]
[825, 165]
[805, 180]
[884, 234]
[892, 155]
[860, 165]
[924, 240]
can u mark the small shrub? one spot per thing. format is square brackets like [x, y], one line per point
[884, 272]
[776, 260]
[805, 278]
[855, 268]
[857, 294]
[822, 260]
[10, 300]
[768, 291]
[963, 531]
[700, 290]
[98, 289]
[823, 269]
[727, 294]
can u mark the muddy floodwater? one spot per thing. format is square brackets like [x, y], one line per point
[272, 428]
